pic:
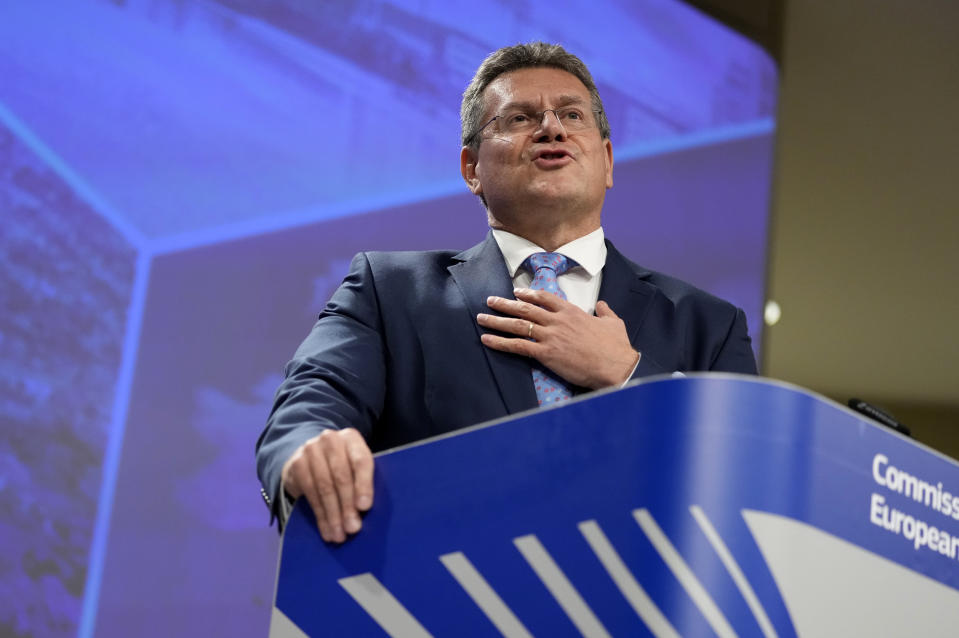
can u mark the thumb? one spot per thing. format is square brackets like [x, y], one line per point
[288, 478]
[603, 310]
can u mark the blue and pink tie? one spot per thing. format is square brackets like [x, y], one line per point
[546, 267]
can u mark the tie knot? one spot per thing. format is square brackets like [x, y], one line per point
[554, 261]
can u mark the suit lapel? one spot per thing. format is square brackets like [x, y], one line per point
[479, 273]
[630, 296]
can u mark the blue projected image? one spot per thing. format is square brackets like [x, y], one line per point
[183, 184]
[203, 113]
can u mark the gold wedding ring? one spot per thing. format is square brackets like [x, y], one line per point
[530, 329]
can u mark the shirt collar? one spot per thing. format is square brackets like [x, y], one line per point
[589, 251]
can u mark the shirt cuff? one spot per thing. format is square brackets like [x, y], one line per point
[285, 506]
[639, 355]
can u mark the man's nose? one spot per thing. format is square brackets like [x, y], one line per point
[550, 128]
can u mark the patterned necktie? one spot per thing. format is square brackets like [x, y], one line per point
[546, 267]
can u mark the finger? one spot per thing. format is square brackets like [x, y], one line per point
[519, 327]
[541, 298]
[303, 477]
[523, 347]
[520, 309]
[334, 448]
[326, 488]
[361, 460]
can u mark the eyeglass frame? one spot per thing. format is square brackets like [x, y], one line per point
[541, 114]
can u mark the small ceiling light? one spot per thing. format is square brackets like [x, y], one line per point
[773, 313]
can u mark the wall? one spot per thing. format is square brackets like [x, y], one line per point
[866, 231]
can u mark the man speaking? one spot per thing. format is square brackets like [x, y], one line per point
[417, 344]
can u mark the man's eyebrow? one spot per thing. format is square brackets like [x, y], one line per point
[562, 100]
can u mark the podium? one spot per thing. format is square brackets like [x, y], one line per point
[707, 505]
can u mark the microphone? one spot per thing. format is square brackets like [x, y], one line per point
[881, 416]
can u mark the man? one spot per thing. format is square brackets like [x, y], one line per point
[414, 345]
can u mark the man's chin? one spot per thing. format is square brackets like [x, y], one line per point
[554, 191]
[553, 181]
[557, 195]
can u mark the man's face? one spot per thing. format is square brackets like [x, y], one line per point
[569, 171]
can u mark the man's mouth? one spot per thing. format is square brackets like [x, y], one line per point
[553, 154]
[552, 158]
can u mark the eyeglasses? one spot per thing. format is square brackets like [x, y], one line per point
[522, 122]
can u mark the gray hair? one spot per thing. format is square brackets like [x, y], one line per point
[514, 58]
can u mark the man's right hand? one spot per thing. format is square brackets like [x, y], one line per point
[334, 471]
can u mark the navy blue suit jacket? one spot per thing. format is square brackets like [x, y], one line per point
[397, 353]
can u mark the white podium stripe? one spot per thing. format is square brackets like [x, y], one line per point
[380, 604]
[282, 627]
[734, 570]
[684, 574]
[634, 593]
[484, 596]
[560, 587]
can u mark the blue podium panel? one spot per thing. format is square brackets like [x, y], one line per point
[698, 506]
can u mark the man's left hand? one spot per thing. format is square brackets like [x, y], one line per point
[589, 351]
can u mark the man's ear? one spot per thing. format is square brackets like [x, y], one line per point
[468, 159]
[609, 163]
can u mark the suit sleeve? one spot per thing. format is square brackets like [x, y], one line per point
[736, 352]
[336, 379]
